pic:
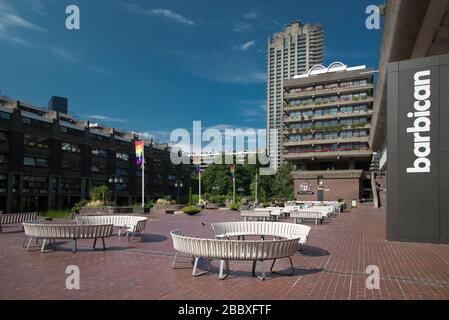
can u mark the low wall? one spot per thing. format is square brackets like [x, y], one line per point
[109, 210]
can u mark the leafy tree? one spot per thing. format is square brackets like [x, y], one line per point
[99, 193]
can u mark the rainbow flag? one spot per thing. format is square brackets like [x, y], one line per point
[139, 152]
[232, 167]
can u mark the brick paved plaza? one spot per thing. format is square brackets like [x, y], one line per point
[331, 266]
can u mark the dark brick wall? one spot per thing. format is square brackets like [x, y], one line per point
[346, 189]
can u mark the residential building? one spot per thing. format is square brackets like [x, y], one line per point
[327, 121]
[50, 160]
[291, 52]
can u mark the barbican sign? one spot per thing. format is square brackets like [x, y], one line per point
[418, 150]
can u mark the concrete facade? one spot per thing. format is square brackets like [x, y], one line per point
[290, 53]
[327, 120]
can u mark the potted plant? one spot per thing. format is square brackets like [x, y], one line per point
[191, 210]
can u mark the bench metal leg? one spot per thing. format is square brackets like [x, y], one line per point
[1, 230]
[224, 263]
[291, 266]
[263, 276]
[104, 244]
[43, 245]
[174, 261]
[195, 266]
[95, 243]
[74, 245]
[29, 243]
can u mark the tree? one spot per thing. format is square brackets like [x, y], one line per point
[99, 193]
[283, 182]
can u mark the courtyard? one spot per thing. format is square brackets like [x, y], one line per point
[331, 266]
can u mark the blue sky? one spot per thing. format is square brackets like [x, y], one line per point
[154, 66]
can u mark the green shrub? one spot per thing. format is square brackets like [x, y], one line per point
[217, 199]
[191, 210]
[78, 206]
[234, 206]
[149, 205]
[195, 199]
[99, 193]
[55, 214]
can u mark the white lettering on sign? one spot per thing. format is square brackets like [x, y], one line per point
[421, 124]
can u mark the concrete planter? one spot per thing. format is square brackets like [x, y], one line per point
[216, 206]
[106, 210]
[142, 210]
[169, 209]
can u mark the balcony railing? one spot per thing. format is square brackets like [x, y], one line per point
[291, 107]
[313, 91]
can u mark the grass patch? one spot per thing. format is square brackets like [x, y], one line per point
[56, 214]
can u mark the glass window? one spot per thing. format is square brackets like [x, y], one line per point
[99, 153]
[5, 115]
[3, 158]
[68, 147]
[35, 162]
[35, 141]
[121, 172]
[122, 156]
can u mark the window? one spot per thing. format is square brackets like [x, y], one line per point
[4, 137]
[35, 162]
[71, 164]
[99, 153]
[122, 156]
[36, 142]
[5, 115]
[121, 172]
[35, 185]
[36, 123]
[70, 186]
[99, 168]
[68, 147]
[4, 158]
[3, 183]
[99, 138]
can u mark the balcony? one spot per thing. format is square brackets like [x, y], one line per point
[363, 153]
[325, 141]
[337, 102]
[337, 128]
[338, 115]
[322, 92]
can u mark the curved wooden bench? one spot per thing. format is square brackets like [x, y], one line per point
[41, 230]
[226, 250]
[262, 229]
[13, 218]
[133, 225]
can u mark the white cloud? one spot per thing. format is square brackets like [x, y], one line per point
[97, 117]
[245, 46]
[157, 135]
[160, 12]
[11, 21]
[172, 15]
[241, 27]
[251, 15]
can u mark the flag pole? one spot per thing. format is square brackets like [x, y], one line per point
[199, 184]
[143, 176]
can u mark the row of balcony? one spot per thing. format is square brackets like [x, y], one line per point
[333, 102]
[319, 92]
[337, 116]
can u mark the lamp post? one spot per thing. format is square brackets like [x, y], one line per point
[115, 181]
[178, 184]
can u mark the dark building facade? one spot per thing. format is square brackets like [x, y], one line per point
[50, 160]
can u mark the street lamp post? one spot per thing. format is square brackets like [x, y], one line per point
[115, 181]
[178, 184]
